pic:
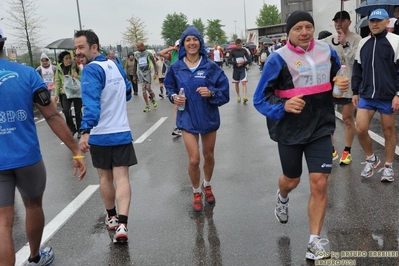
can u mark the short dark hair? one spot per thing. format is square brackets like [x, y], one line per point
[91, 37]
[238, 41]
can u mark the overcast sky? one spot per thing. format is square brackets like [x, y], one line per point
[108, 18]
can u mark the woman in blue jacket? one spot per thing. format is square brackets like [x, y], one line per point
[206, 88]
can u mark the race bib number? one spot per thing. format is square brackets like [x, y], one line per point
[240, 59]
[143, 62]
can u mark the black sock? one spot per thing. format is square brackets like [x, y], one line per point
[122, 219]
[347, 149]
[161, 88]
[35, 259]
[333, 148]
[111, 212]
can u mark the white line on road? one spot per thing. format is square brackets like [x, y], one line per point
[151, 130]
[377, 138]
[54, 225]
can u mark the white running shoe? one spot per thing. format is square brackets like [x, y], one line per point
[111, 222]
[46, 257]
[121, 234]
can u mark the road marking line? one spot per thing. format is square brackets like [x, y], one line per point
[54, 225]
[377, 138]
[151, 130]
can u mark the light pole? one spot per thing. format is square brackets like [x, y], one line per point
[245, 22]
[80, 23]
[235, 27]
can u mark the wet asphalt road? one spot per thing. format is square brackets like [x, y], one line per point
[241, 229]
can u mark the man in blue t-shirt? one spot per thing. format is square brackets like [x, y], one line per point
[21, 165]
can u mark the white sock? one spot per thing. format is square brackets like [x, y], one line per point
[197, 190]
[206, 183]
[387, 165]
[371, 157]
[312, 237]
[283, 200]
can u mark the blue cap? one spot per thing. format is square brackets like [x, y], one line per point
[379, 14]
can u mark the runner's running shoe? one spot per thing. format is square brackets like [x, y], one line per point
[209, 197]
[346, 158]
[111, 222]
[245, 99]
[154, 103]
[176, 132]
[121, 234]
[161, 96]
[335, 155]
[197, 202]
[316, 250]
[46, 257]
[368, 170]
[147, 109]
[387, 174]
[281, 210]
[238, 99]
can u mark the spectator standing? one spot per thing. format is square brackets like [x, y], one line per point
[345, 43]
[47, 71]
[129, 69]
[67, 67]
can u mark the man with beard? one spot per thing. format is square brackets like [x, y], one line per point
[105, 129]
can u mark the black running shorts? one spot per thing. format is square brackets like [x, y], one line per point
[30, 181]
[107, 157]
[318, 155]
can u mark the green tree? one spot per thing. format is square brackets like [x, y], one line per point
[268, 15]
[135, 32]
[26, 23]
[215, 33]
[234, 37]
[173, 27]
[199, 25]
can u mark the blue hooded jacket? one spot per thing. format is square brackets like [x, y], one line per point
[201, 114]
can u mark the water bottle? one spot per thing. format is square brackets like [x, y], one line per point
[181, 93]
[337, 93]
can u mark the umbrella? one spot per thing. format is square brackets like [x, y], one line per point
[369, 6]
[266, 40]
[66, 44]
[231, 47]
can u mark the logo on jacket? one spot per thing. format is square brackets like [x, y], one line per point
[109, 67]
[6, 75]
[200, 74]
[298, 64]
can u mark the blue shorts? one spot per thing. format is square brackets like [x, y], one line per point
[383, 107]
[317, 154]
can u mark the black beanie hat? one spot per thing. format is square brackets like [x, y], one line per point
[296, 17]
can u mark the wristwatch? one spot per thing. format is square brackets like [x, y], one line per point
[212, 93]
[346, 45]
[85, 131]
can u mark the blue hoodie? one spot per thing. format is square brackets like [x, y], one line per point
[201, 114]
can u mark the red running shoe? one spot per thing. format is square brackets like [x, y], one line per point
[197, 202]
[209, 197]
